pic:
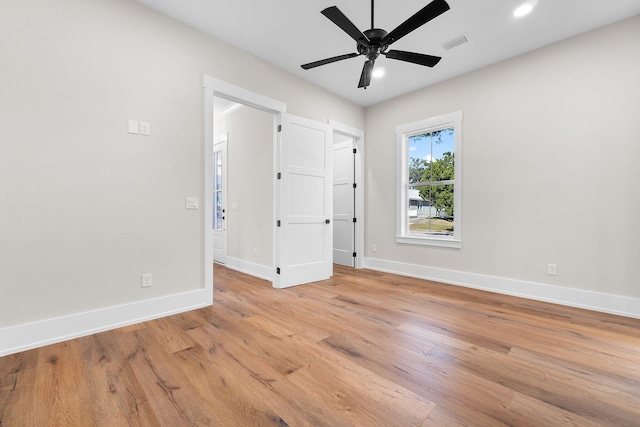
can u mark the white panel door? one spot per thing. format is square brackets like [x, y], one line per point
[304, 202]
[219, 201]
[343, 203]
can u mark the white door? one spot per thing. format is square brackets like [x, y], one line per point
[344, 203]
[219, 201]
[304, 202]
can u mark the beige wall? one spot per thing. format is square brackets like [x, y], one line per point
[550, 169]
[85, 207]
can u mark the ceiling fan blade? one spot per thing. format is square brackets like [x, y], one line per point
[367, 71]
[415, 58]
[424, 15]
[328, 60]
[338, 18]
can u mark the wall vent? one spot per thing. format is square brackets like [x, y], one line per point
[455, 42]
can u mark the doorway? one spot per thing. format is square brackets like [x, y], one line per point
[348, 198]
[292, 178]
[219, 225]
[243, 189]
[344, 187]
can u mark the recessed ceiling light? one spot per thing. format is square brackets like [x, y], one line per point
[378, 72]
[525, 8]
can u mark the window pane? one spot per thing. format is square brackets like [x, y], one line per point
[217, 190]
[431, 210]
[431, 156]
[217, 164]
[217, 210]
[418, 152]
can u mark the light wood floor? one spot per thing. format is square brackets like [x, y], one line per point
[361, 349]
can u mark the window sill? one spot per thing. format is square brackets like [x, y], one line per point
[429, 241]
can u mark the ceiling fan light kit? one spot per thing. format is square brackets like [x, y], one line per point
[525, 8]
[375, 42]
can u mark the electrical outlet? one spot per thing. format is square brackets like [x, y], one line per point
[145, 280]
[551, 269]
[374, 248]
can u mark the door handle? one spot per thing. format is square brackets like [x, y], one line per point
[327, 221]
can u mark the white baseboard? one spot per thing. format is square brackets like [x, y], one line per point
[262, 271]
[597, 301]
[14, 339]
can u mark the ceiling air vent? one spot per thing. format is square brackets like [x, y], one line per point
[455, 42]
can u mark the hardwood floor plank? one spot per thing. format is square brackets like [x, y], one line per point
[98, 349]
[536, 413]
[16, 363]
[169, 334]
[17, 388]
[579, 397]
[253, 387]
[371, 392]
[188, 320]
[173, 398]
[118, 399]
[443, 417]
[61, 389]
[470, 396]
[210, 379]
[345, 400]
[363, 348]
[609, 378]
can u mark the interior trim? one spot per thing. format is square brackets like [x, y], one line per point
[27, 336]
[597, 301]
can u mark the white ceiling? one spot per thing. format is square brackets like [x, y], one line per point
[288, 33]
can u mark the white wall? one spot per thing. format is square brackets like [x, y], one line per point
[556, 128]
[85, 207]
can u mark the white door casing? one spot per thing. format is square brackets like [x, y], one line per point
[218, 88]
[304, 237]
[344, 203]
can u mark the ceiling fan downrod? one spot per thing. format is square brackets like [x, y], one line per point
[372, 26]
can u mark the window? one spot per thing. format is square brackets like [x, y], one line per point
[429, 181]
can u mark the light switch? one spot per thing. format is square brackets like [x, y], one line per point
[134, 127]
[191, 203]
[145, 128]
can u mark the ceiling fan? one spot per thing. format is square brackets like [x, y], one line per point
[374, 42]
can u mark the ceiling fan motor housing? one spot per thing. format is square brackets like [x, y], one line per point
[375, 47]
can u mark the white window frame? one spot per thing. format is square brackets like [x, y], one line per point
[403, 133]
